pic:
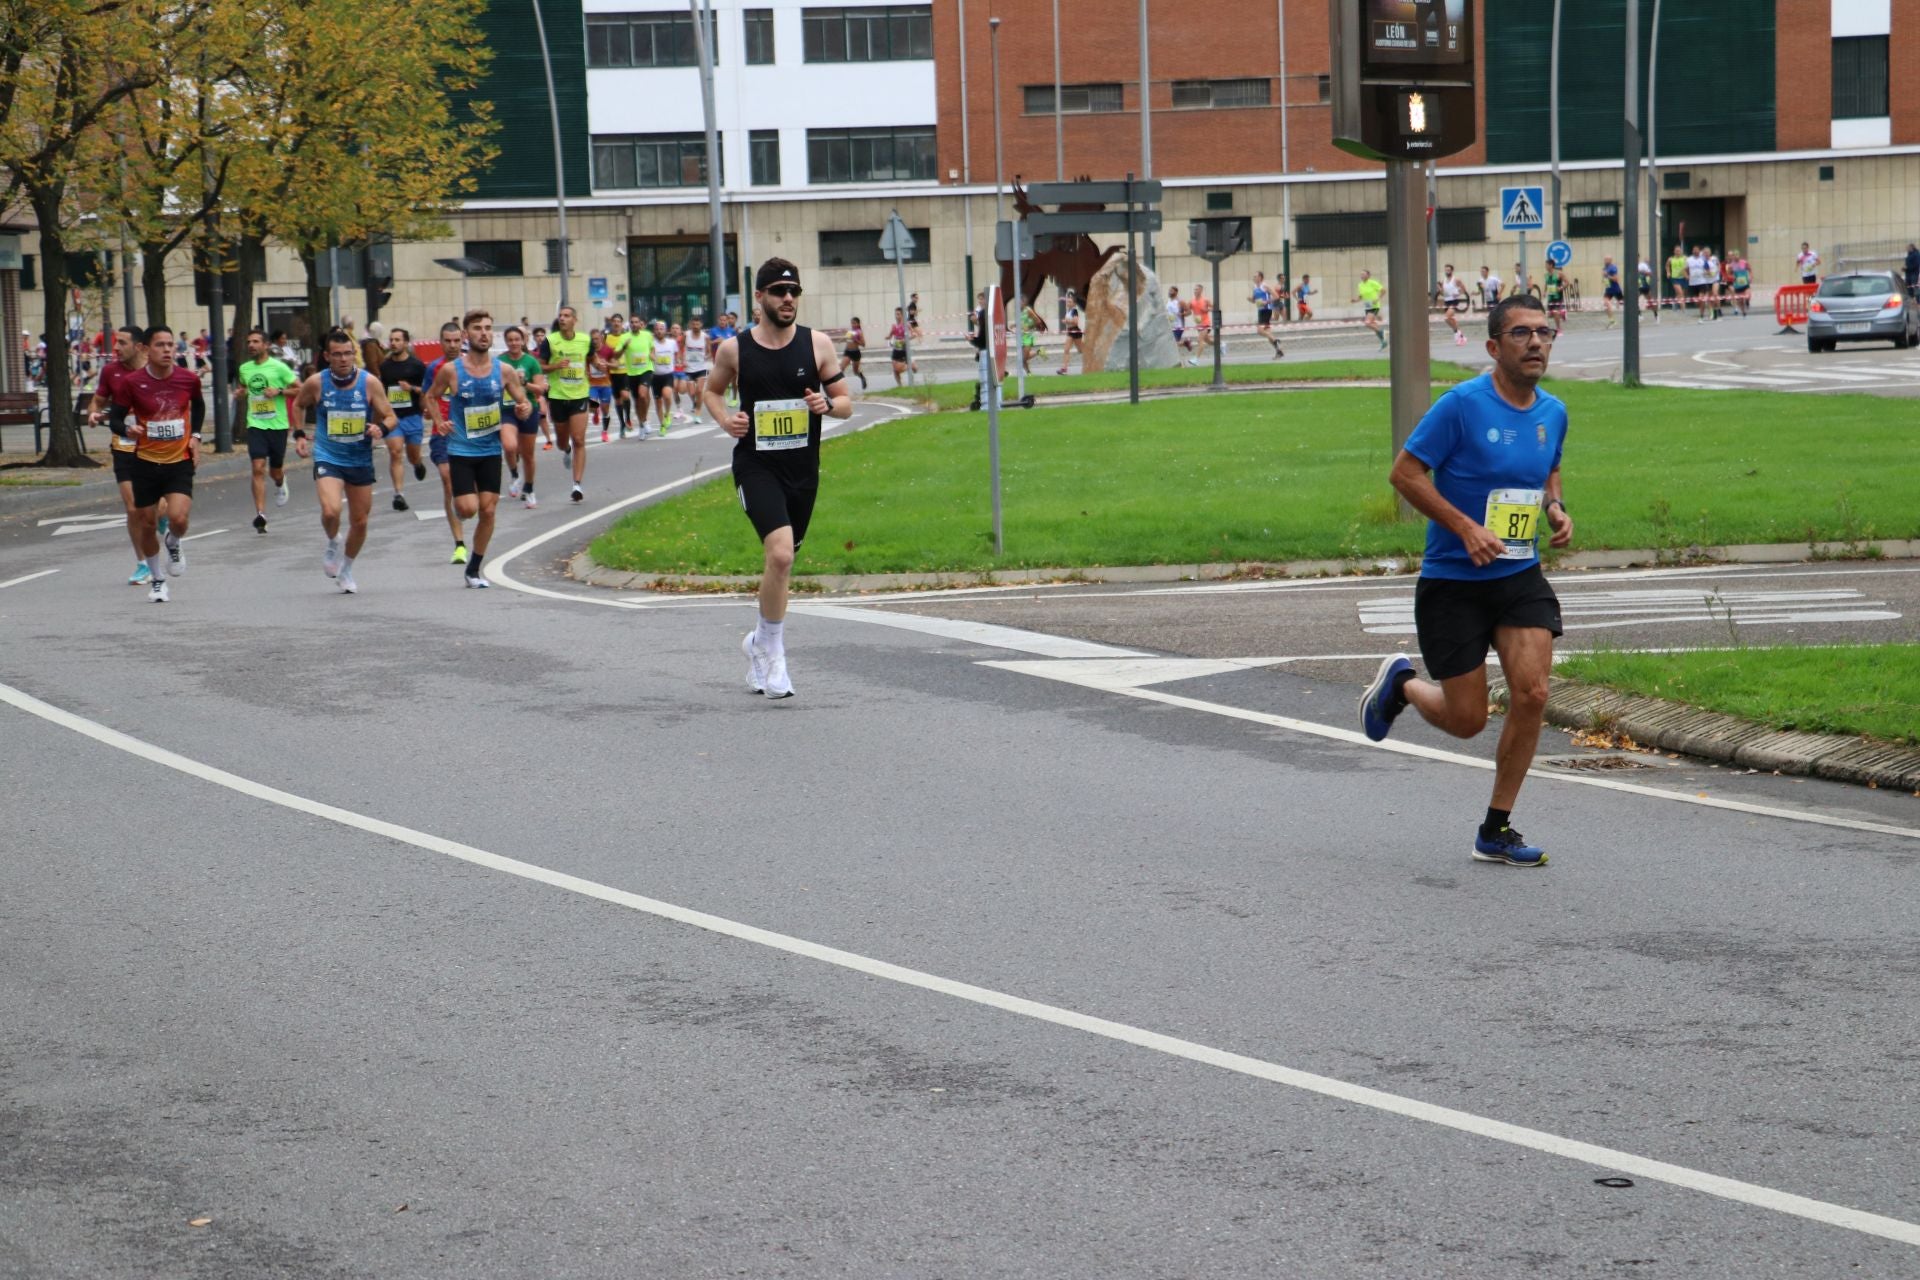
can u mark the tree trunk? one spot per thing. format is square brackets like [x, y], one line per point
[319, 301]
[153, 280]
[65, 448]
[243, 298]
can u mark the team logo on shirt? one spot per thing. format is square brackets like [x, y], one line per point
[1493, 435]
[1540, 432]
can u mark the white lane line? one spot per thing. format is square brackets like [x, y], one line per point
[1748, 1193]
[14, 582]
[208, 534]
[114, 522]
[1013, 638]
[497, 565]
[1089, 675]
[41, 524]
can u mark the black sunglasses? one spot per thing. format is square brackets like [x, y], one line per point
[782, 291]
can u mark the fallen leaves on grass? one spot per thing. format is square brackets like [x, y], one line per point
[1610, 740]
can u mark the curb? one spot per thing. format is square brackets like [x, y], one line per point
[583, 568]
[1674, 726]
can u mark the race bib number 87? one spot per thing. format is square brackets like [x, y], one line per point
[781, 424]
[1513, 515]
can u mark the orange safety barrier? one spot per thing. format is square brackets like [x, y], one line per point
[1790, 304]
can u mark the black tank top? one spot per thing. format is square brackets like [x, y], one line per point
[783, 374]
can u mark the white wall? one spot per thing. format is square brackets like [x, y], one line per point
[791, 95]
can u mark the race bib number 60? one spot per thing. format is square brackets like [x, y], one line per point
[1514, 517]
[483, 419]
[780, 424]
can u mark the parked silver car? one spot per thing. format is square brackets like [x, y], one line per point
[1862, 306]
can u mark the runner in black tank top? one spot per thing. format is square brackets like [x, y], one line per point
[789, 378]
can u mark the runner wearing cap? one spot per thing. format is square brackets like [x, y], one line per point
[129, 351]
[789, 378]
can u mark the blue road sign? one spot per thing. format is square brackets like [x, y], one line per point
[1559, 253]
[1520, 208]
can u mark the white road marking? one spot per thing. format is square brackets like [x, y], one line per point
[1394, 615]
[115, 522]
[1748, 1193]
[208, 534]
[1085, 674]
[1013, 638]
[14, 582]
[41, 524]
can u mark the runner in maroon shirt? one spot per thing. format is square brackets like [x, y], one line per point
[129, 349]
[165, 408]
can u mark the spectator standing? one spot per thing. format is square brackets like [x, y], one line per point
[1809, 263]
[1913, 268]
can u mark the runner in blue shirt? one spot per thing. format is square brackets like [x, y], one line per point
[350, 411]
[474, 388]
[1492, 447]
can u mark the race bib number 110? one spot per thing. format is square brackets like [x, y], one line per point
[781, 424]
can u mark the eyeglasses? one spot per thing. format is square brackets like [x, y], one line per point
[1544, 333]
[782, 291]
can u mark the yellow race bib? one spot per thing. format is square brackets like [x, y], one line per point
[344, 426]
[781, 424]
[1513, 515]
[483, 419]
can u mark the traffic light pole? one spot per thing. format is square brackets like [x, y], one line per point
[1410, 359]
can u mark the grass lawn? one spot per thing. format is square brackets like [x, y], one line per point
[1043, 382]
[1283, 475]
[1854, 689]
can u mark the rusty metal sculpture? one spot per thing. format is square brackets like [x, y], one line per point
[1069, 261]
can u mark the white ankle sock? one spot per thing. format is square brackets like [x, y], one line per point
[772, 635]
[157, 565]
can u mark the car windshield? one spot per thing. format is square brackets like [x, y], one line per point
[1856, 286]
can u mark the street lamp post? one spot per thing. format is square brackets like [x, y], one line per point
[1653, 166]
[559, 164]
[966, 153]
[1019, 300]
[1553, 114]
[1146, 127]
[1630, 216]
[1059, 127]
[716, 242]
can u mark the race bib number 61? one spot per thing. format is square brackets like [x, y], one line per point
[1514, 517]
[780, 424]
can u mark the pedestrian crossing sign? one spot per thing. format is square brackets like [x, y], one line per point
[1520, 208]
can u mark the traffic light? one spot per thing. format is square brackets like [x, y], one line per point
[379, 294]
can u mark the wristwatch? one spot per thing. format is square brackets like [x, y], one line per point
[1555, 502]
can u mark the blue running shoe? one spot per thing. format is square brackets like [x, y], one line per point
[1382, 701]
[1509, 847]
[141, 575]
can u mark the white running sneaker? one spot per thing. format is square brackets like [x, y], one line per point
[778, 686]
[347, 584]
[176, 558]
[513, 490]
[578, 494]
[281, 495]
[330, 563]
[532, 501]
[756, 664]
[159, 593]
[477, 580]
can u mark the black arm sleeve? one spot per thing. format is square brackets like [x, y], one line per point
[199, 412]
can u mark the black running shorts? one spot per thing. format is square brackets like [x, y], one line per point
[663, 383]
[123, 466]
[562, 411]
[474, 475]
[619, 383]
[1455, 619]
[271, 445]
[153, 481]
[772, 502]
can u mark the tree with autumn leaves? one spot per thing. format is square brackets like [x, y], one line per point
[208, 123]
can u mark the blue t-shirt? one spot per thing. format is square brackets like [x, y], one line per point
[340, 428]
[478, 407]
[1476, 442]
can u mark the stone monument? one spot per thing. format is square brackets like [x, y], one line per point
[1106, 319]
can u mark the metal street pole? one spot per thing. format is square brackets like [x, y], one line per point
[1286, 187]
[1219, 331]
[990, 391]
[333, 279]
[716, 240]
[1630, 325]
[1553, 114]
[966, 153]
[1146, 126]
[1018, 301]
[1409, 358]
[1133, 305]
[1059, 126]
[1653, 167]
[217, 310]
[1433, 230]
[559, 164]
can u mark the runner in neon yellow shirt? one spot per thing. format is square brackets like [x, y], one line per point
[266, 384]
[1367, 293]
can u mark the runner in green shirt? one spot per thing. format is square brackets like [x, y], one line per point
[520, 440]
[564, 358]
[265, 384]
[615, 340]
[1677, 277]
[1367, 293]
[640, 370]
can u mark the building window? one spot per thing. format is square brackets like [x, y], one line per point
[1676, 180]
[625, 161]
[643, 40]
[1219, 202]
[862, 248]
[553, 256]
[1368, 230]
[29, 276]
[763, 155]
[1222, 93]
[503, 256]
[1075, 99]
[870, 155]
[1323, 88]
[1859, 77]
[877, 33]
[1593, 218]
[1826, 173]
[759, 27]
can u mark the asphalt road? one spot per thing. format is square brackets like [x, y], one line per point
[432, 932]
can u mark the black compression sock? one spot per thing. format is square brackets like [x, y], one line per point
[1496, 822]
[1400, 687]
[473, 566]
